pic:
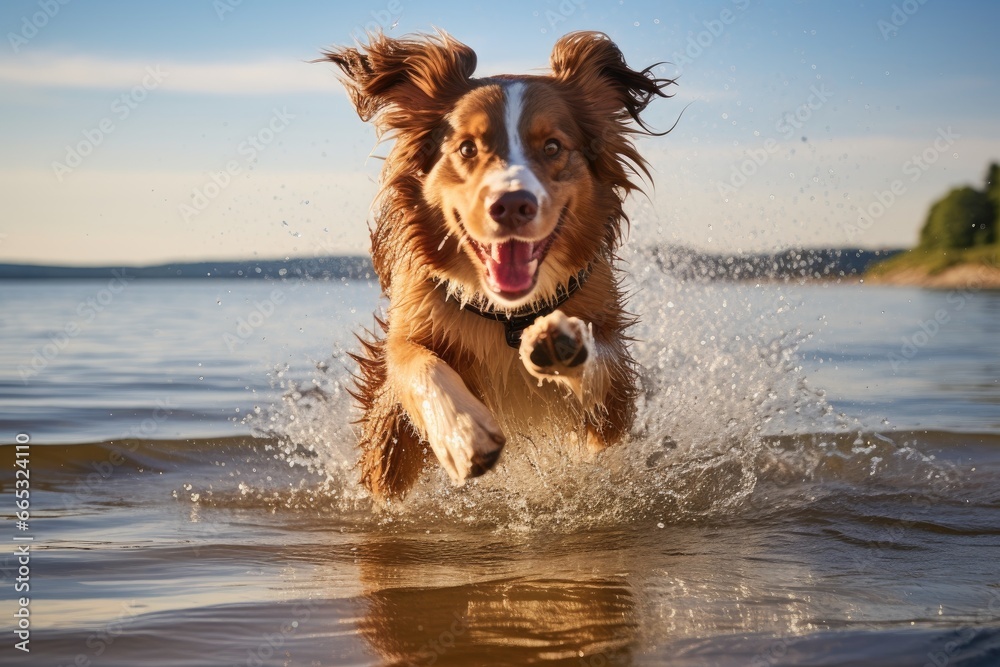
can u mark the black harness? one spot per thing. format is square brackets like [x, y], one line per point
[515, 323]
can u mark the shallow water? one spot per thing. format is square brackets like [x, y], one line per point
[813, 480]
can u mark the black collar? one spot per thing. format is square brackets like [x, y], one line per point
[516, 322]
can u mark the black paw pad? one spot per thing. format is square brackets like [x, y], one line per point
[568, 350]
[540, 355]
[481, 463]
[565, 347]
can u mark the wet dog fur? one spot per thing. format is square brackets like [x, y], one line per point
[498, 193]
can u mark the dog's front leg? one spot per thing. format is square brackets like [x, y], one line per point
[459, 428]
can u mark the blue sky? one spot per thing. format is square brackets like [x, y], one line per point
[162, 98]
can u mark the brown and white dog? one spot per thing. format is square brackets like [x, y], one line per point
[495, 236]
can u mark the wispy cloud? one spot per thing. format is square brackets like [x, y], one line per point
[246, 77]
[50, 70]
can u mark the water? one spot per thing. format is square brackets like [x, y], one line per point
[813, 480]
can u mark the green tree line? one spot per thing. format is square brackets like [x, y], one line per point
[965, 217]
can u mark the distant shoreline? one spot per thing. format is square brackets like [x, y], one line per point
[350, 267]
[977, 267]
[849, 266]
[683, 263]
[960, 276]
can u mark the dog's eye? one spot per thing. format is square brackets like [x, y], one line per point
[552, 148]
[468, 149]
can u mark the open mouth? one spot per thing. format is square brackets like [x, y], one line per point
[512, 265]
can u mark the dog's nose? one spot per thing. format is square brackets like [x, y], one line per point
[514, 209]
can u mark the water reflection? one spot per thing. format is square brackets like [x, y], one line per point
[422, 612]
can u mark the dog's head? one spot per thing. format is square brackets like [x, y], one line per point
[505, 186]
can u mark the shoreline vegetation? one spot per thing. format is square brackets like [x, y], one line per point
[959, 244]
[976, 268]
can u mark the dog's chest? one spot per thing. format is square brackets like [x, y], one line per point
[522, 404]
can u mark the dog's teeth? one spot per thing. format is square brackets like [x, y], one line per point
[495, 252]
[532, 266]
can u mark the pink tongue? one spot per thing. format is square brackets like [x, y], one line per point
[511, 267]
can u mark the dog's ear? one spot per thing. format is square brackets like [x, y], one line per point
[594, 64]
[402, 83]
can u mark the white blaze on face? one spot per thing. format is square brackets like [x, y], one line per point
[517, 175]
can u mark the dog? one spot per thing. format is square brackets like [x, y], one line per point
[495, 237]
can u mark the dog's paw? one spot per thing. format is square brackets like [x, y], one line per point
[467, 444]
[556, 346]
[462, 433]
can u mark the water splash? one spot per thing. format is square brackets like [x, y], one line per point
[725, 404]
